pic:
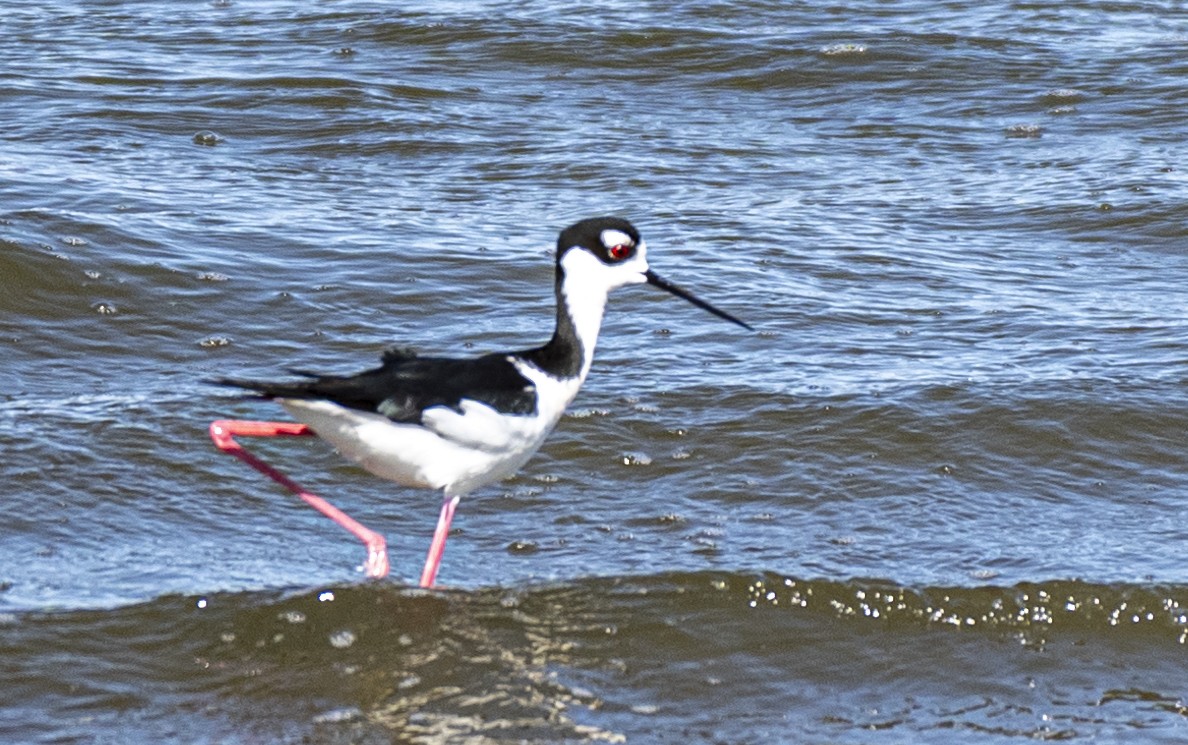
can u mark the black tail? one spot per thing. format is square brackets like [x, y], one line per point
[267, 389]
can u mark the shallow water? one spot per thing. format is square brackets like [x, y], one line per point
[935, 498]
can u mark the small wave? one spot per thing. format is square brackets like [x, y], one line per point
[603, 659]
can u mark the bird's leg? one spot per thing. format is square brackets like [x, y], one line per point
[223, 431]
[433, 560]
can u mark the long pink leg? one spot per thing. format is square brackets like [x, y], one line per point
[222, 433]
[433, 560]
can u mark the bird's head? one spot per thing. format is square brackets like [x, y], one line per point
[604, 253]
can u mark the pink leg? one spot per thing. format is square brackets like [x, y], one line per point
[433, 560]
[223, 430]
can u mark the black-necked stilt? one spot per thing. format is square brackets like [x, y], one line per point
[458, 424]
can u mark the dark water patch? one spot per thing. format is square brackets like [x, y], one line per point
[711, 655]
[1022, 444]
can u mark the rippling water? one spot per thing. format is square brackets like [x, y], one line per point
[936, 498]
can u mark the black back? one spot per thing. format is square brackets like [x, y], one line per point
[405, 385]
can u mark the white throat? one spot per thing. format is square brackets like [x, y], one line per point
[584, 289]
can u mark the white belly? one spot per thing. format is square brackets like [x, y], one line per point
[460, 453]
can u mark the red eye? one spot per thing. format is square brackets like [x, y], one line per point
[620, 251]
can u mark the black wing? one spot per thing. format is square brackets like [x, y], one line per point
[405, 385]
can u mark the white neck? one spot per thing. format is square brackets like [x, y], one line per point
[585, 300]
[585, 284]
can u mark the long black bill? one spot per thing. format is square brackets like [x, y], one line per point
[664, 284]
